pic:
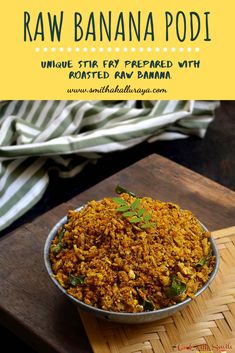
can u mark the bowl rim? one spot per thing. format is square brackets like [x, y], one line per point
[103, 312]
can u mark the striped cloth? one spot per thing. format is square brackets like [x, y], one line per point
[38, 135]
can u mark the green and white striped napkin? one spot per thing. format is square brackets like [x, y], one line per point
[38, 135]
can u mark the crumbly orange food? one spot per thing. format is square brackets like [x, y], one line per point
[109, 263]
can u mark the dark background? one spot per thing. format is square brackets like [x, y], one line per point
[213, 157]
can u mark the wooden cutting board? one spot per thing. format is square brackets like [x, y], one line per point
[33, 308]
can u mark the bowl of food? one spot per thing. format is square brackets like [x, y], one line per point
[129, 259]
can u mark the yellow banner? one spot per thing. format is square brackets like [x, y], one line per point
[117, 49]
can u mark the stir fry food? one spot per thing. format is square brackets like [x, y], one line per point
[130, 254]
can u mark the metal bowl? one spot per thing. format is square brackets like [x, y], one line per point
[127, 318]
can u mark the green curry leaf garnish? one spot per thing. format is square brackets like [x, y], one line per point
[120, 201]
[176, 289]
[76, 281]
[121, 190]
[134, 212]
[201, 262]
[135, 204]
[123, 208]
[141, 211]
[204, 260]
[129, 214]
[59, 246]
[147, 305]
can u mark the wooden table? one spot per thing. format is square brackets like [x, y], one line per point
[33, 308]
